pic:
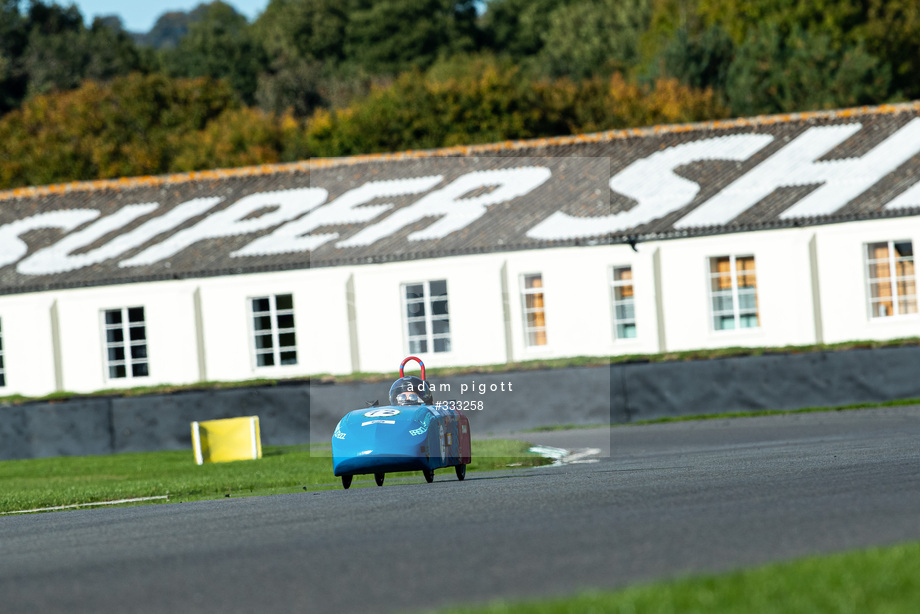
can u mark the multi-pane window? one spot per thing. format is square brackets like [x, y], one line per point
[125, 343]
[624, 306]
[892, 284]
[733, 289]
[2, 366]
[427, 316]
[274, 339]
[534, 309]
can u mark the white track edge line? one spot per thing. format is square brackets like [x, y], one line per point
[67, 507]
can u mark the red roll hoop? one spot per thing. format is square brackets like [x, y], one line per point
[407, 359]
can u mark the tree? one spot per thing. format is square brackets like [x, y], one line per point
[304, 29]
[517, 28]
[13, 40]
[61, 52]
[53, 57]
[292, 84]
[49, 48]
[596, 37]
[892, 33]
[218, 44]
[109, 53]
[698, 60]
[614, 102]
[487, 102]
[240, 137]
[134, 125]
[392, 36]
[484, 100]
[838, 20]
[773, 73]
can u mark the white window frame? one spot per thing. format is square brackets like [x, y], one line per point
[525, 311]
[428, 318]
[734, 293]
[622, 283]
[893, 280]
[275, 331]
[126, 344]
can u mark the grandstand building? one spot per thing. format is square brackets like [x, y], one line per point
[770, 231]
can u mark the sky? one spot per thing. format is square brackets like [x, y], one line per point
[140, 16]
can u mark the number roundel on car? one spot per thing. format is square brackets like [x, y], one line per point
[381, 413]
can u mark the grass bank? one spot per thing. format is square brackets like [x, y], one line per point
[61, 481]
[875, 580]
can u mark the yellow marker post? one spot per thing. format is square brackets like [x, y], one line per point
[230, 439]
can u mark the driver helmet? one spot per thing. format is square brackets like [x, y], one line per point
[410, 391]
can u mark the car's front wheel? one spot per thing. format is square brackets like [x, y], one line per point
[429, 475]
[378, 477]
[346, 481]
[461, 471]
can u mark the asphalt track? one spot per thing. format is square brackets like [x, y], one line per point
[670, 500]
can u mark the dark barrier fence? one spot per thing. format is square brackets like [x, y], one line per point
[646, 391]
[296, 413]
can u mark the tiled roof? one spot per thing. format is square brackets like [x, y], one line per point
[678, 180]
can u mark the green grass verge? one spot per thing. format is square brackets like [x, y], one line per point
[878, 580]
[48, 482]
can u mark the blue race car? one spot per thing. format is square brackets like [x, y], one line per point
[412, 433]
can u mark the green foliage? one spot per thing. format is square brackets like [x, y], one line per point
[240, 137]
[871, 580]
[338, 77]
[292, 84]
[136, 125]
[773, 73]
[699, 60]
[52, 57]
[323, 53]
[49, 48]
[775, 56]
[392, 36]
[45, 482]
[13, 40]
[487, 100]
[892, 33]
[485, 103]
[589, 38]
[219, 45]
[838, 19]
[304, 29]
[517, 28]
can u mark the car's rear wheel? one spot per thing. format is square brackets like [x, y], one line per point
[461, 471]
[378, 477]
[429, 475]
[346, 481]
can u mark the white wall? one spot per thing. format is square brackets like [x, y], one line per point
[170, 323]
[320, 320]
[577, 297]
[781, 261]
[844, 292]
[27, 344]
[474, 303]
[576, 294]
